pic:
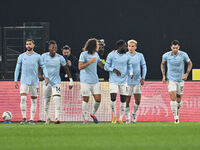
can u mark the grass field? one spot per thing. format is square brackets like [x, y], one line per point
[140, 136]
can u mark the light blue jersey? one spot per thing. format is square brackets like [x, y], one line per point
[120, 62]
[29, 68]
[175, 65]
[138, 62]
[53, 67]
[89, 74]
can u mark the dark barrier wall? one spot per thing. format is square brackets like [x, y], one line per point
[154, 24]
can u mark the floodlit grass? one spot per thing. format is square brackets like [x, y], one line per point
[70, 136]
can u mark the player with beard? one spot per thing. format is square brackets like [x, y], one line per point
[29, 62]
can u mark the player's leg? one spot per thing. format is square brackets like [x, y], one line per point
[23, 93]
[172, 88]
[136, 106]
[34, 94]
[128, 99]
[113, 95]
[96, 91]
[85, 92]
[137, 95]
[47, 92]
[179, 96]
[56, 94]
[123, 90]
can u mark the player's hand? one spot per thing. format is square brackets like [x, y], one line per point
[164, 80]
[69, 63]
[41, 78]
[46, 81]
[142, 81]
[92, 60]
[70, 83]
[117, 72]
[185, 76]
[16, 85]
[131, 75]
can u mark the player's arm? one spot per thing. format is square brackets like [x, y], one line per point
[107, 66]
[144, 70]
[17, 69]
[44, 69]
[163, 68]
[66, 68]
[130, 68]
[189, 68]
[40, 74]
[101, 65]
[83, 65]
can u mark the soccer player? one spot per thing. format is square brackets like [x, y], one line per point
[29, 62]
[135, 84]
[119, 66]
[176, 60]
[88, 61]
[53, 62]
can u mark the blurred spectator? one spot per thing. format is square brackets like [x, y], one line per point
[102, 74]
[72, 62]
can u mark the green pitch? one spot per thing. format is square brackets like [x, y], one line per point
[72, 136]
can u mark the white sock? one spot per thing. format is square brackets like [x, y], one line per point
[127, 113]
[174, 109]
[23, 106]
[57, 106]
[46, 107]
[135, 108]
[179, 105]
[96, 106]
[33, 108]
[113, 107]
[85, 110]
[122, 110]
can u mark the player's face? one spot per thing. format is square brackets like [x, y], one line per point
[53, 48]
[66, 52]
[29, 46]
[123, 48]
[175, 48]
[132, 47]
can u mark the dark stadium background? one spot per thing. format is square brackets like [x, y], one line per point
[153, 23]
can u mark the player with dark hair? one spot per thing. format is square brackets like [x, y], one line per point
[88, 61]
[175, 60]
[118, 64]
[53, 62]
[29, 62]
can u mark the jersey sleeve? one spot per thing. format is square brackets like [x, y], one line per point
[62, 61]
[164, 57]
[17, 68]
[42, 65]
[108, 64]
[82, 58]
[186, 57]
[130, 67]
[144, 66]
